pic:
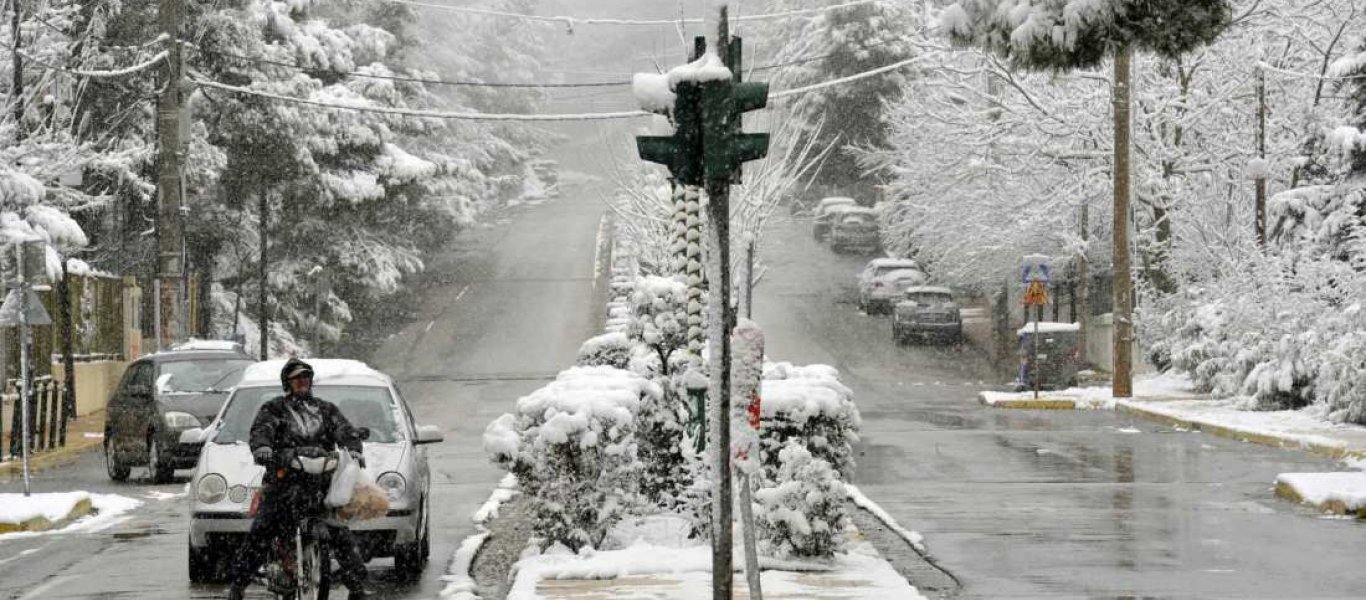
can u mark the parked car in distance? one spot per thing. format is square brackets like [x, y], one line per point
[927, 313]
[888, 288]
[162, 395]
[821, 217]
[226, 478]
[877, 268]
[855, 228]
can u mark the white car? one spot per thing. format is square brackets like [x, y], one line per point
[876, 269]
[889, 288]
[855, 228]
[226, 478]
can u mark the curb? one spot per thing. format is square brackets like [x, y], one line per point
[1287, 490]
[1327, 451]
[82, 508]
[1232, 433]
[51, 458]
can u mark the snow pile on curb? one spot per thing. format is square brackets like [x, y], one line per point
[46, 510]
[1166, 386]
[646, 570]
[1343, 492]
[913, 538]
[459, 580]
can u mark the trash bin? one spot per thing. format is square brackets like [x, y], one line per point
[1059, 354]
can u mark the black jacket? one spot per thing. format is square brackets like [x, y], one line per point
[277, 428]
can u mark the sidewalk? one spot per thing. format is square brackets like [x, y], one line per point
[646, 572]
[1170, 400]
[84, 434]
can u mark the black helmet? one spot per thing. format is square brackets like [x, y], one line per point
[294, 368]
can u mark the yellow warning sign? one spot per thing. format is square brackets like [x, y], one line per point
[1036, 294]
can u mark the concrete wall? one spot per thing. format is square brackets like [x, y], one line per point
[95, 382]
[1100, 345]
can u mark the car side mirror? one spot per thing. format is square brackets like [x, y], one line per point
[429, 434]
[192, 436]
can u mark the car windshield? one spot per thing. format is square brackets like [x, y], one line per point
[363, 406]
[200, 374]
[929, 298]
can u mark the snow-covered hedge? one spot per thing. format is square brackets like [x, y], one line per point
[1281, 333]
[606, 350]
[572, 446]
[809, 426]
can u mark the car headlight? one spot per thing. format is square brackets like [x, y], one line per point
[237, 494]
[180, 420]
[393, 484]
[211, 489]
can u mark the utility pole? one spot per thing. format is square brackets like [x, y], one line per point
[1083, 295]
[263, 209]
[170, 181]
[17, 87]
[1122, 383]
[1260, 175]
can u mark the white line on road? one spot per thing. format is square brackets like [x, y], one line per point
[46, 587]
[461, 294]
[23, 554]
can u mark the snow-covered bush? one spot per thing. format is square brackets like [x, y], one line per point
[606, 350]
[809, 426]
[658, 305]
[572, 446]
[800, 511]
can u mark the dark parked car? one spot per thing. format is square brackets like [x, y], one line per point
[855, 228]
[927, 313]
[825, 212]
[162, 395]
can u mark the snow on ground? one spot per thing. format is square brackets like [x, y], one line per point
[647, 571]
[109, 511]
[460, 583]
[1318, 489]
[913, 538]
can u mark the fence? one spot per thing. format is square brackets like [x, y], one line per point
[47, 417]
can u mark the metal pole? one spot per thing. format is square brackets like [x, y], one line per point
[1261, 152]
[749, 279]
[722, 317]
[26, 389]
[156, 310]
[264, 208]
[68, 350]
[752, 573]
[1122, 384]
[1038, 316]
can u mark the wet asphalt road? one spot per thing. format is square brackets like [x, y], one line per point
[1024, 504]
[1016, 504]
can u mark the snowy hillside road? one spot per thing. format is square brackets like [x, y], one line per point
[1052, 504]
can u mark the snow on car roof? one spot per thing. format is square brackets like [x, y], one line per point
[926, 289]
[902, 274]
[857, 210]
[214, 345]
[893, 262]
[838, 200]
[1049, 327]
[325, 370]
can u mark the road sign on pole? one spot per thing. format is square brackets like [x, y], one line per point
[1035, 274]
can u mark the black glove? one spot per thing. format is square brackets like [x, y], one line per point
[263, 456]
[358, 457]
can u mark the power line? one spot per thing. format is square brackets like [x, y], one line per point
[469, 116]
[138, 68]
[570, 22]
[423, 80]
[432, 114]
[1267, 67]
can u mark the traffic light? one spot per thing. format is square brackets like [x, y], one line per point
[682, 151]
[725, 103]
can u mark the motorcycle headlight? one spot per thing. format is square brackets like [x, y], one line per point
[180, 420]
[211, 489]
[393, 484]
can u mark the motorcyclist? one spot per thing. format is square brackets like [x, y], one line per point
[296, 424]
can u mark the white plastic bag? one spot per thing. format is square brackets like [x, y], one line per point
[343, 481]
[367, 502]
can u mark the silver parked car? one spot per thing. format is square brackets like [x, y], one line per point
[887, 289]
[226, 478]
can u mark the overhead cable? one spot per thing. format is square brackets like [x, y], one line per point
[570, 22]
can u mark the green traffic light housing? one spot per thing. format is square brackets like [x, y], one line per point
[724, 102]
[682, 151]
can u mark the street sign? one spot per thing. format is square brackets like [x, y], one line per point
[1036, 268]
[9, 311]
[1036, 294]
